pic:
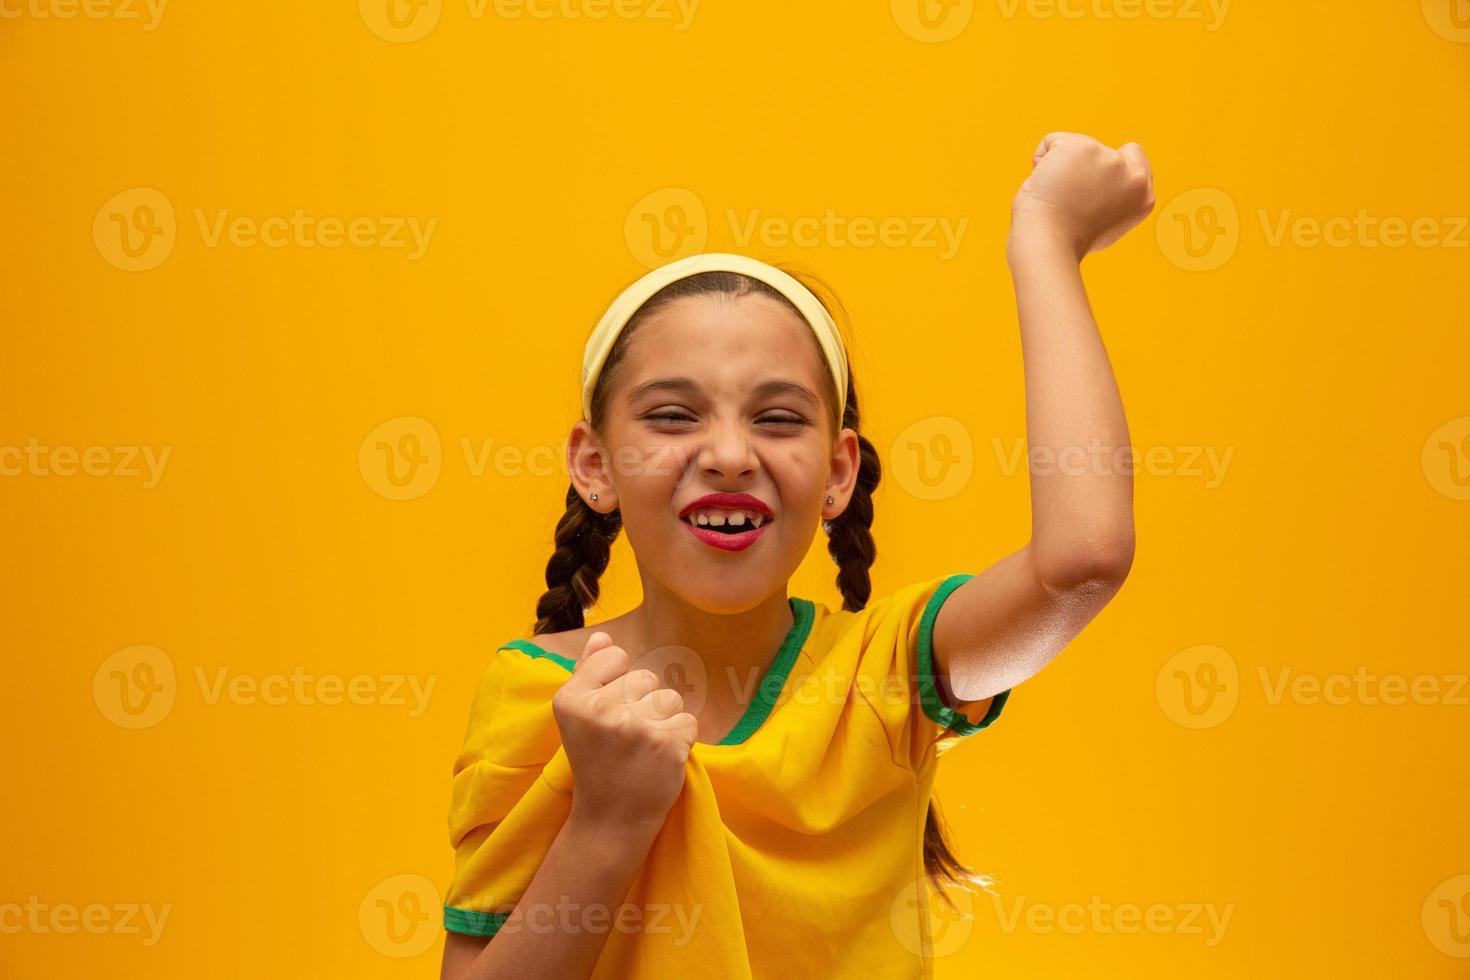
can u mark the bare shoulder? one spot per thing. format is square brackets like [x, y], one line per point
[570, 643]
[567, 644]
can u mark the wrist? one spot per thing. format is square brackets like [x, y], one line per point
[1039, 236]
[604, 826]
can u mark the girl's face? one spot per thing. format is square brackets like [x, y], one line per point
[718, 395]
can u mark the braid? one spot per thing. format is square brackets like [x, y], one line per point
[583, 545]
[850, 542]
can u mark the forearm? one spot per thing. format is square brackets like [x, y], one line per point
[1077, 436]
[589, 868]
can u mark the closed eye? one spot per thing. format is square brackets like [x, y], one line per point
[682, 417]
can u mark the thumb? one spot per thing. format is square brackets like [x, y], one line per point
[593, 674]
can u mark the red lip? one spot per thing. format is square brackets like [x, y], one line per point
[727, 542]
[729, 501]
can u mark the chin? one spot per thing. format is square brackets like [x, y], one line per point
[722, 594]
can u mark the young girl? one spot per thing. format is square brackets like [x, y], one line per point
[728, 781]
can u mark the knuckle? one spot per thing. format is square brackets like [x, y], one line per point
[643, 676]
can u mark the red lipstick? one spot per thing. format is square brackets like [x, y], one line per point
[737, 541]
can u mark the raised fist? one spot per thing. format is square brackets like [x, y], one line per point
[1088, 193]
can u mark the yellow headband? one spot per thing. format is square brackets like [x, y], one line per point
[600, 344]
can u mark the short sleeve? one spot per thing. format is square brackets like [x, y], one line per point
[510, 793]
[918, 712]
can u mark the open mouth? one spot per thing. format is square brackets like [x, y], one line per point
[729, 524]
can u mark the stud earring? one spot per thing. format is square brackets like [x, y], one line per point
[829, 498]
[827, 525]
[594, 496]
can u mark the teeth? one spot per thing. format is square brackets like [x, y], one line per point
[719, 518]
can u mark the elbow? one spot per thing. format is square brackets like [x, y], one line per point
[1100, 564]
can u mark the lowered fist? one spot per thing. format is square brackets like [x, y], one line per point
[1087, 193]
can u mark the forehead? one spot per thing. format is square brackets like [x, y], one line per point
[726, 344]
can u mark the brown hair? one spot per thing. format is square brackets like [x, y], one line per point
[584, 537]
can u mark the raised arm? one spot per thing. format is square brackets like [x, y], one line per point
[1008, 622]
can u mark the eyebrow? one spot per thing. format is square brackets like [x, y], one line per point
[688, 386]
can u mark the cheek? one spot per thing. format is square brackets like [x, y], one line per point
[648, 476]
[646, 462]
[800, 474]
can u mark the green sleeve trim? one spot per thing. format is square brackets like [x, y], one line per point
[472, 923]
[771, 685]
[934, 707]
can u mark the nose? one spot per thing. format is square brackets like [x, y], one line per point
[727, 452]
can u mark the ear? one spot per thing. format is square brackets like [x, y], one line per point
[587, 462]
[842, 474]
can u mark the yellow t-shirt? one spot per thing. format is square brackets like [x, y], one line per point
[795, 847]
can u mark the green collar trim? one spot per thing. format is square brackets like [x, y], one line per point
[770, 686]
[939, 712]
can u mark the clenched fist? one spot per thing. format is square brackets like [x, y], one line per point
[1088, 193]
[627, 737]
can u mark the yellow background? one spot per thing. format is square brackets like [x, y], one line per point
[1334, 540]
